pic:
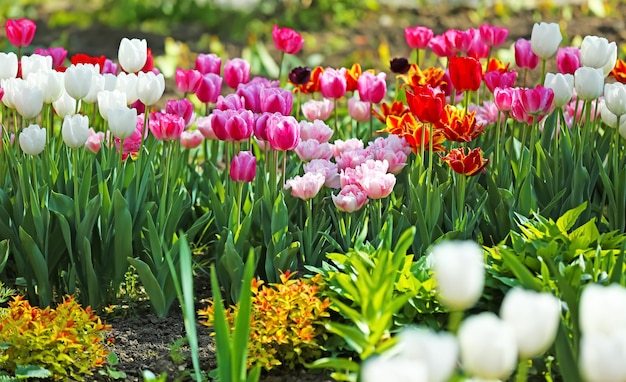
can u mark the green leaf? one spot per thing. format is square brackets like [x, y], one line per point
[526, 278]
[150, 283]
[123, 242]
[565, 356]
[568, 219]
[241, 332]
[334, 363]
[222, 332]
[4, 253]
[31, 371]
[39, 266]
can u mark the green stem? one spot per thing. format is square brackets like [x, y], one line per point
[454, 321]
[371, 121]
[280, 68]
[522, 371]
[74, 154]
[239, 202]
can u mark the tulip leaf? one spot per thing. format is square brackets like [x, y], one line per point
[153, 289]
[123, 242]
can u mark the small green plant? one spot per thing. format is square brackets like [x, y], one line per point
[110, 371]
[68, 340]
[6, 293]
[24, 372]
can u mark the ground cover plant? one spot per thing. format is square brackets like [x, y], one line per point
[459, 202]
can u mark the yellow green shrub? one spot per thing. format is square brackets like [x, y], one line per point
[68, 340]
[285, 321]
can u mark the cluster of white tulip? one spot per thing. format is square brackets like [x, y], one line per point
[81, 83]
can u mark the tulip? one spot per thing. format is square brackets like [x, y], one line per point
[122, 121]
[426, 103]
[459, 41]
[383, 368]
[132, 54]
[50, 83]
[611, 62]
[204, 126]
[97, 85]
[32, 139]
[333, 83]
[65, 105]
[183, 108]
[359, 111]
[372, 88]
[95, 61]
[603, 356]
[20, 32]
[531, 105]
[276, 100]
[441, 46]
[589, 83]
[283, 132]
[287, 40]
[109, 67]
[376, 184]
[78, 80]
[496, 79]
[318, 110]
[209, 88]
[399, 65]
[488, 346]
[58, 55]
[307, 186]
[110, 81]
[460, 273]
[299, 75]
[615, 98]
[327, 168]
[11, 87]
[315, 130]
[166, 127]
[150, 87]
[568, 59]
[190, 139]
[439, 351]
[231, 125]
[418, 37]
[110, 99]
[208, 63]
[503, 98]
[465, 73]
[545, 39]
[611, 119]
[595, 51]
[524, 55]
[35, 63]
[75, 130]
[477, 49]
[313, 149]
[243, 167]
[232, 101]
[493, 36]
[187, 81]
[563, 87]
[28, 101]
[603, 309]
[8, 65]
[94, 141]
[127, 83]
[236, 71]
[534, 317]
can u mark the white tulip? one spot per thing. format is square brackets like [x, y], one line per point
[110, 81]
[132, 54]
[35, 63]
[595, 51]
[459, 270]
[589, 83]
[438, 351]
[33, 139]
[50, 82]
[545, 39]
[65, 105]
[122, 121]
[603, 357]
[11, 87]
[8, 65]
[603, 309]
[28, 101]
[615, 98]
[75, 130]
[610, 63]
[127, 83]
[108, 99]
[562, 85]
[97, 85]
[488, 346]
[150, 87]
[384, 368]
[78, 80]
[535, 319]
[609, 118]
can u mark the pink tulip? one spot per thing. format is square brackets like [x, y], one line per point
[260, 125]
[496, 79]
[441, 46]
[190, 139]
[351, 198]
[359, 110]
[276, 100]
[208, 63]
[492, 35]
[313, 149]
[531, 105]
[477, 49]
[315, 130]
[94, 140]
[182, 107]
[486, 113]
[209, 88]
[283, 132]
[231, 102]
[287, 40]
[339, 146]
[243, 167]
[236, 71]
[314, 109]
[20, 32]
[326, 168]
[333, 83]
[568, 59]
[232, 125]
[459, 40]
[165, 126]
[109, 67]
[524, 55]
[251, 94]
[391, 142]
[352, 158]
[58, 54]
[503, 98]
[188, 81]
[377, 184]
[396, 159]
[418, 37]
[307, 186]
[204, 126]
[372, 88]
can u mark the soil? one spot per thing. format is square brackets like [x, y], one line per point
[143, 341]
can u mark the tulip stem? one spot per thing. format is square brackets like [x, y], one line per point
[336, 115]
[371, 120]
[280, 68]
[239, 203]
[75, 176]
[454, 320]
[522, 371]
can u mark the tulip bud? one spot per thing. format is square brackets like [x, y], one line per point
[150, 87]
[75, 130]
[460, 273]
[333, 83]
[33, 139]
[568, 60]
[589, 83]
[283, 132]
[595, 51]
[307, 186]
[351, 198]
[65, 105]
[190, 139]
[524, 55]
[8, 65]
[236, 71]
[545, 39]
[488, 346]
[78, 80]
[372, 88]
[108, 100]
[132, 54]
[165, 126]
[418, 37]
[314, 109]
[94, 141]
[243, 167]
[122, 121]
[208, 63]
[276, 100]
[127, 83]
[287, 40]
[35, 63]
[20, 32]
[58, 55]
[439, 351]
[209, 88]
[50, 83]
[615, 98]
[563, 87]
[28, 101]
[602, 356]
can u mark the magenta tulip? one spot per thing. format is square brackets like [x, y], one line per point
[251, 94]
[188, 81]
[287, 40]
[232, 125]
[20, 32]
[165, 126]
[531, 105]
[58, 54]
[496, 79]
[276, 100]
[372, 88]
[236, 71]
[208, 63]
[182, 107]
[333, 83]
[283, 132]
[243, 167]
[418, 37]
[524, 55]
[568, 59]
[209, 88]
[492, 35]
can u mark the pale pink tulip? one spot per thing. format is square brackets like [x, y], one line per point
[326, 168]
[307, 186]
[351, 198]
[315, 130]
[190, 139]
[314, 109]
[313, 149]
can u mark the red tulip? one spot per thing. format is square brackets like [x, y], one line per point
[81, 58]
[20, 32]
[287, 40]
[426, 103]
[465, 73]
[469, 164]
